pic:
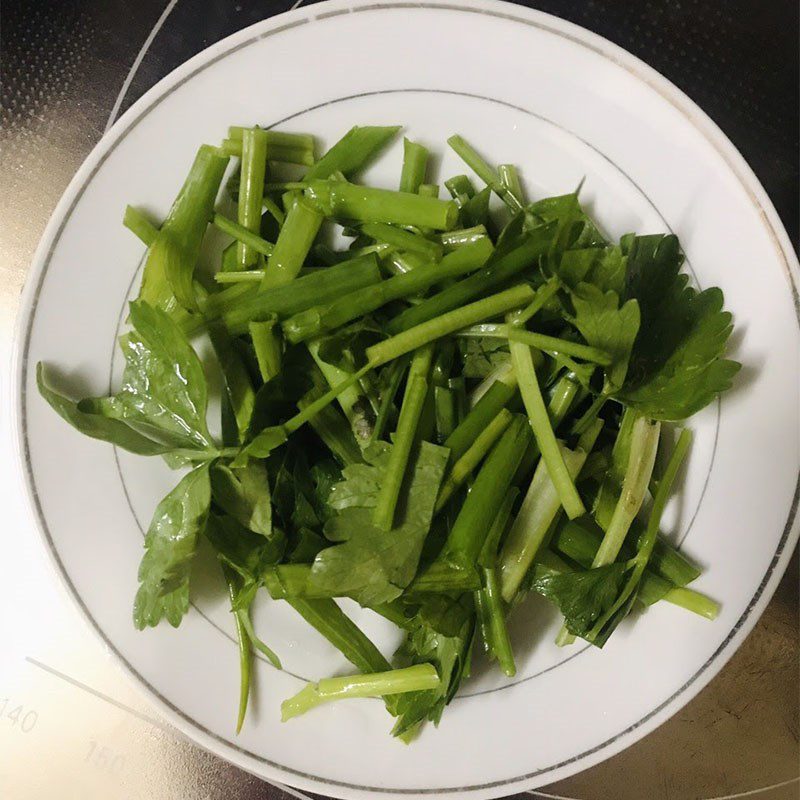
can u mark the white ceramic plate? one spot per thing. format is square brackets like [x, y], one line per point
[562, 103]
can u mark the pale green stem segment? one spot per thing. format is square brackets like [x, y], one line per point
[352, 201]
[322, 318]
[286, 155]
[648, 540]
[488, 602]
[139, 225]
[643, 448]
[245, 653]
[493, 612]
[249, 276]
[299, 230]
[243, 236]
[349, 400]
[419, 678]
[543, 431]
[244, 617]
[693, 601]
[449, 323]
[644, 445]
[276, 138]
[485, 172]
[415, 162]
[504, 374]
[410, 411]
[402, 239]
[468, 534]
[509, 177]
[352, 151]
[536, 515]
[496, 397]
[242, 303]
[541, 341]
[454, 239]
[543, 295]
[464, 467]
[251, 189]
[267, 344]
[290, 148]
[553, 344]
[168, 271]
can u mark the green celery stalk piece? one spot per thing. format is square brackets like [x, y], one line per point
[139, 225]
[321, 319]
[293, 245]
[329, 620]
[509, 178]
[529, 529]
[353, 151]
[415, 163]
[243, 236]
[267, 345]
[417, 678]
[499, 271]
[448, 323]
[410, 411]
[170, 263]
[641, 460]
[469, 531]
[542, 429]
[464, 466]
[648, 541]
[496, 398]
[242, 304]
[368, 204]
[251, 190]
[402, 239]
[485, 172]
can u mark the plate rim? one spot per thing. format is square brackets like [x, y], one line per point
[716, 138]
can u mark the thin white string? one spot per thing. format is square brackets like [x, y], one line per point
[138, 61]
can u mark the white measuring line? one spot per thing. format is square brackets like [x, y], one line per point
[137, 62]
[102, 696]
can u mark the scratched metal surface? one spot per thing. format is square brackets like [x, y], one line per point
[70, 724]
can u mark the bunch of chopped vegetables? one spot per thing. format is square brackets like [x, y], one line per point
[460, 407]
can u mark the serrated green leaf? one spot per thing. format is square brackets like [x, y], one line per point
[169, 549]
[98, 426]
[244, 494]
[676, 366]
[607, 273]
[372, 564]
[248, 553]
[575, 265]
[583, 596]
[605, 325]
[441, 634]
[164, 390]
